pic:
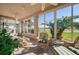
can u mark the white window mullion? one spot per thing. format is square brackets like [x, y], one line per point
[55, 26]
[72, 22]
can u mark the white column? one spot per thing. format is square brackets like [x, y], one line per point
[36, 25]
[20, 26]
[27, 27]
[24, 27]
[15, 26]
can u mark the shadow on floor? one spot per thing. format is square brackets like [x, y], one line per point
[38, 51]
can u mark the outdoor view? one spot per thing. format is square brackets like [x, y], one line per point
[64, 25]
[28, 25]
[76, 22]
[45, 20]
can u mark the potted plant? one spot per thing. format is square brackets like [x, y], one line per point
[7, 43]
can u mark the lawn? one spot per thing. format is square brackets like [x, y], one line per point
[65, 35]
[68, 36]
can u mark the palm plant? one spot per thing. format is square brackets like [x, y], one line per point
[62, 24]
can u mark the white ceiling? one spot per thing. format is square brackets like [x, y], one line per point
[24, 10]
[19, 10]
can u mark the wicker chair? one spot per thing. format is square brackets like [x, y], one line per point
[43, 37]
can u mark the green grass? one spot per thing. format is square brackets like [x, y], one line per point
[68, 36]
[65, 36]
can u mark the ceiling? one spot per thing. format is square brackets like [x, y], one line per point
[21, 10]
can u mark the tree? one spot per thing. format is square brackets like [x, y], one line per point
[62, 24]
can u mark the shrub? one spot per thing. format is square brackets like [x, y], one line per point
[7, 43]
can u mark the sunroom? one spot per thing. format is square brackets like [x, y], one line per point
[39, 28]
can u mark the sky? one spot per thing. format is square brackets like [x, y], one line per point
[59, 13]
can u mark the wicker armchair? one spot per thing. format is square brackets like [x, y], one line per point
[43, 37]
